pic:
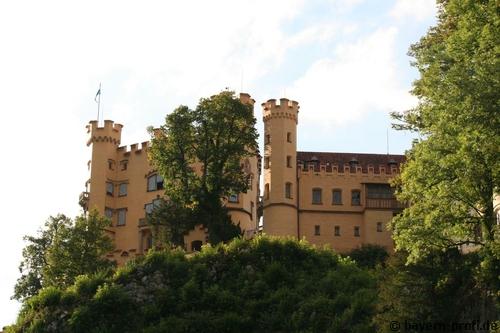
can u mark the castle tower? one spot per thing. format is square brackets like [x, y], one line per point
[280, 167]
[105, 141]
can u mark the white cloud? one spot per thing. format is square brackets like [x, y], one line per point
[360, 78]
[417, 9]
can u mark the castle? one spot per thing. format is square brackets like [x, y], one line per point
[342, 200]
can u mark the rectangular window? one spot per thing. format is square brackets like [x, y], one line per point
[355, 198]
[267, 139]
[233, 198]
[356, 231]
[252, 207]
[337, 230]
[316, 196]
[109, 188]
[108, 212]
[122, 216]
[337, 197]
[288, 190]
[266, 162]
[289, 161]
[288, 137]
[379, 226]
[122, 190]
[123, 165]
[111, 164]
[317, 230]
[266, 191]
[155, 182]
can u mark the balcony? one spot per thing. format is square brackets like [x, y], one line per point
[83, 201]
[384, 204]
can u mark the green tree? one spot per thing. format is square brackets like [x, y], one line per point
[440, 288]
[78, 250]
[369, 255]
[34, 257]
[452, 174]
[63, 250]
[199, 153]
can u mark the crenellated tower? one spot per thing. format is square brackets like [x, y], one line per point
[105, 141]
[280, 167]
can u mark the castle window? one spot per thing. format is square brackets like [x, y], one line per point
[337, 230]
[155, 182]
[266, 162]
[379, 226]
[317, 230]
[233, 198]
[266, 191]
[122, 216]
[289, 161]
[122, 191]
[267, 140]
[356, 231]
[252, 208]
[250, 182]
[288, 190]
[109, 188]
[336, 197]
[123, 165]
[111, 164]
[108, 212]
[316, 196]
[355, 198]
[288, 137]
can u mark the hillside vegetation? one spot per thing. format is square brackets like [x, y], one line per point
[262, 285]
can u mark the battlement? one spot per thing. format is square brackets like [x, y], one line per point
[110, 132]
[311, 168]
[285, 109]
[349, 163]
[134, 148]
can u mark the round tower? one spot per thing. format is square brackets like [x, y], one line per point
[280, 167]
[103, 166]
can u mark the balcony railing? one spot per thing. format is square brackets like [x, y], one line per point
[384, 204]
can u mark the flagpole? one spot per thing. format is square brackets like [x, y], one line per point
[98, 102]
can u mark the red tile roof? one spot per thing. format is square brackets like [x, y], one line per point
[353, 159]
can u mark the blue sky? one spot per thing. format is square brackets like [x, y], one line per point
[344, 61]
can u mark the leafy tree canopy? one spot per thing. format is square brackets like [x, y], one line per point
[439, 289]
[63, 250]
[200, 153]
[452, 174]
